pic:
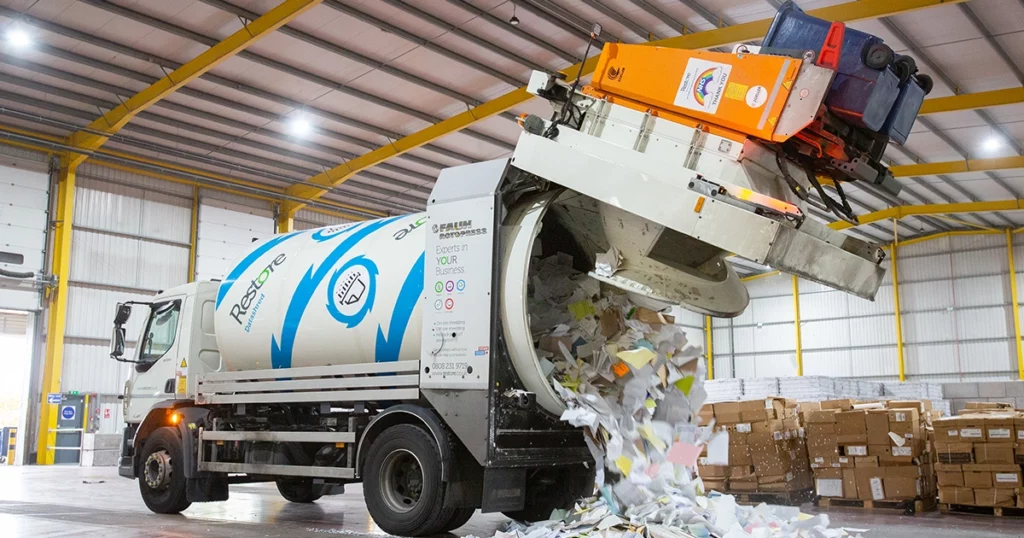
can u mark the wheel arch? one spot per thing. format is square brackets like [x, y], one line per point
[160, 415]
[415, 415]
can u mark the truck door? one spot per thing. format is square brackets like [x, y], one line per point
[157, 355]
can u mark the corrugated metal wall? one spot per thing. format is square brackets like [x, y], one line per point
[308, 220]
[130, 241]
[955, 303]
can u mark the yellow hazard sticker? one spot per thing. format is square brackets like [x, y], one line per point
[735, 90]
[183, 364]
[182, 381]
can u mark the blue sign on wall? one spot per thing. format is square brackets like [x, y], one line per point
[54, 398]
[67, 412]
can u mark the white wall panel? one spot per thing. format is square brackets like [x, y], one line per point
[722, 341]
[89, 368]
[770, 338]
[928, 295]
[835, 363]
[308, 220]
[772, 309]
[881, 305]
[924, 268]
[989, 322]
[226, 231]
[91, 312]
[982, 290]
[980, 262]
[829, 334]
[873, 361]
[831, 304]
[24, 195]
[873, 331]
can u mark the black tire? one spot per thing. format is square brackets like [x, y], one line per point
[168, 495]
[878, 55]
[531, 513]
[301, 490]
[460, 518]
[402, 483]
[926, 83]
[905, 67]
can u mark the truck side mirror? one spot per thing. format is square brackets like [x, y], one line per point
[122, 314]
[117, 342]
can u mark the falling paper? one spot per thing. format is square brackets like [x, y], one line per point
[718, 449]
[624, 464]
[896, 439]
[607, 263]
[684, 454]
[636, 358]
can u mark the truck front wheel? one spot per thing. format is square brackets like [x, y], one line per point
[402, 483]
[162, 473]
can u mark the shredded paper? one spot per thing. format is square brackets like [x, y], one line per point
[631, 380]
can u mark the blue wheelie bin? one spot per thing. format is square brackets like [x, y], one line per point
[861, 94]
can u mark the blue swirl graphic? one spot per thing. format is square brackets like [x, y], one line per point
[366, 295]
[388, 348]
[281, 350]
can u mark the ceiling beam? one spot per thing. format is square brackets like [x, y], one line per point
[957, 167]
[850, 11]
[99, 131]
[972, 101]
[900, 212]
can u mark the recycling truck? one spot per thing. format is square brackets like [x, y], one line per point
[399, 352]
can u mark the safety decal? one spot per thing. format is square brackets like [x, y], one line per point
[702, 85]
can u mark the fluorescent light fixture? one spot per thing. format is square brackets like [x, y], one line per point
[992, 143]
[300, 126]
[19, 38]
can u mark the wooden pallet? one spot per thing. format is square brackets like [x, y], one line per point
[907, 507]
[787, 498]
[991, 511]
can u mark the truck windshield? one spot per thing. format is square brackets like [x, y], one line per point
[160, 332]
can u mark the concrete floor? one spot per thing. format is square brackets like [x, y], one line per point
[76, 501]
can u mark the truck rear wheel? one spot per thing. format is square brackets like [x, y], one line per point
[162, 473]
[299, 490]
[402, 483]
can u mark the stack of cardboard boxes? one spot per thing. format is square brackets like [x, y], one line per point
[979, 458]
[767, 451]
[871, 451]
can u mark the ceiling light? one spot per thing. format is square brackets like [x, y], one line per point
[300, 126]
[992, 143]
[514, 21]
[19, 38]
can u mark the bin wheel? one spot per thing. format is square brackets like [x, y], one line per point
[905, 67]
[878, 55]
[300, 490]
[926, 83]
[402, 483]
[162, 474]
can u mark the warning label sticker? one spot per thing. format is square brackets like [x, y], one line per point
[702, 85]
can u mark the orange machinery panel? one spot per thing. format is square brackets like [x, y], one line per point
[745, 93]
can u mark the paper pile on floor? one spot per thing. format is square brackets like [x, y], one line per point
[629, 377]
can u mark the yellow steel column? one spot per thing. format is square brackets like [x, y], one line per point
[796, 325]
[1015, 305]
[58, 307]
[285, 219]
[709, 346]
[193, 236]
[896, 301]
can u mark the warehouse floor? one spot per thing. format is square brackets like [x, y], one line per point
[77, 501]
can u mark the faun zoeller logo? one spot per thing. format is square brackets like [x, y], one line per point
[460, 228]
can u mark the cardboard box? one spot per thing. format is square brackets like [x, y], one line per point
[954, 452]
[947, 429]
[972, 428]
[715, 485]
[741, 472]
[849, 484]
[853, 450]
[739, 454]
[842, 404]
[974, 479]
[995, 497]
[851, 422]
[993, 453]
[865, 461]
[824, 416]
[727, 412]
[896, 483]
[1006, 480]
[988, 405]
[956, 495]
[774, 425]
[900, 488]
[713, 471]
[1000, 429]
[815, 450]
[950, 478]
[879, 450]
[743, 485]
[829, 487]
[877, 423]
[822, 430]
[706, 413]
[922, 406]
